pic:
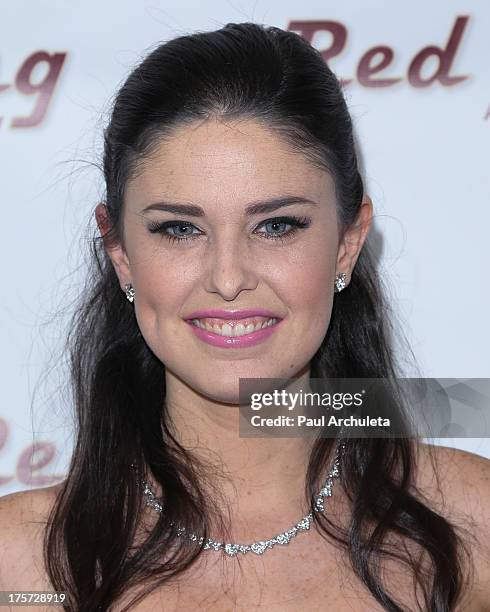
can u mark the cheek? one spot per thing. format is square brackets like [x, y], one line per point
[308, 284]
[300, 278]
[161, 287]
[307, 277]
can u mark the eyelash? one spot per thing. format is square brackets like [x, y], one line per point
[297, 223]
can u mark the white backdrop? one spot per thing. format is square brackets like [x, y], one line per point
[424, 146]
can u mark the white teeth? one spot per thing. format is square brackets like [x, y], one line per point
[238, 330]
[226, 329]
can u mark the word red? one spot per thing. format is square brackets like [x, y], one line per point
[44, 90]
[34, 457]
[374, 61]
[367, 67]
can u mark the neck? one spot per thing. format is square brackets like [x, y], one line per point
[260, 479]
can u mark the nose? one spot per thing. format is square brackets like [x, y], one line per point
[229, 269]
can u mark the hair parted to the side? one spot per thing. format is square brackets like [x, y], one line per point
[275, 77]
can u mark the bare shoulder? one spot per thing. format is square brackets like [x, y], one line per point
[23, 517]
[456, 479]
[456, 484]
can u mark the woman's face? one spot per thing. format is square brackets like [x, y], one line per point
[227, 259]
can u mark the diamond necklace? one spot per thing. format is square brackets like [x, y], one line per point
[262, 545]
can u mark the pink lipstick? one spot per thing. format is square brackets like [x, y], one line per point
[243, 316]
[232, 314]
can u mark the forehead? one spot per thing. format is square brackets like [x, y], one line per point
[217, 161]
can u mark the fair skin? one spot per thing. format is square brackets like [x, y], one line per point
[223, 167]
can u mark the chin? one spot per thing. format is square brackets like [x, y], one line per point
[225, 395]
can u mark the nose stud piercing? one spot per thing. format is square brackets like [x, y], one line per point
[340, 282]
[129, 292]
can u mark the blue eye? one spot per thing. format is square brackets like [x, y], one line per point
[295, 223]
[163, 228]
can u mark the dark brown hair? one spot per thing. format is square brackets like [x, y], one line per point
[275, 77]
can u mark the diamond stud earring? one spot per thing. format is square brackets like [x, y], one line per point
[340, 282]
[129, 292]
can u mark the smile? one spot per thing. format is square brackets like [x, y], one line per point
[234, 328]
[236, 333]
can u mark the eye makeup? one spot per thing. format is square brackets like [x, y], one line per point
[296, 224]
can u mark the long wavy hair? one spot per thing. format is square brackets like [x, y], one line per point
[91, 545]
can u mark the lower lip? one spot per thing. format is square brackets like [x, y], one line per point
[234, 342]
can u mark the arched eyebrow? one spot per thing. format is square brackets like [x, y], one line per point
[255, 208]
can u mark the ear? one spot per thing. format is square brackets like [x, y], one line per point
[352, 242]
[113, 247]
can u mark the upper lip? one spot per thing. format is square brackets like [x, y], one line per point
[231, 314]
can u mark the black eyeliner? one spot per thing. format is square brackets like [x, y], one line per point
[297, 223]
